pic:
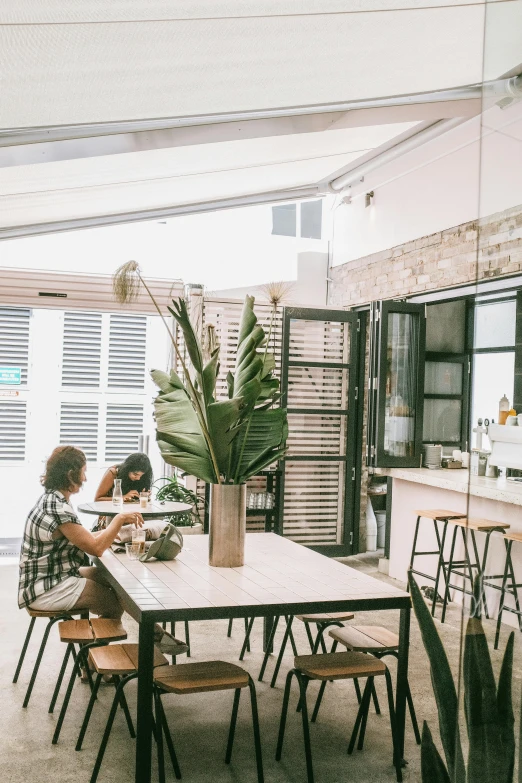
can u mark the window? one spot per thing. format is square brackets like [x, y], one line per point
[14, 338]
[127, 348]
[82, 335]
[311, 219]
[287, 222]
[13, 419]
[284, 220]
[124, 425]
[79, 427]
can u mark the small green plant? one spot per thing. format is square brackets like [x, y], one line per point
[170, 489]
[488, 707]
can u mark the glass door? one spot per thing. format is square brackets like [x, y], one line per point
[396, 384]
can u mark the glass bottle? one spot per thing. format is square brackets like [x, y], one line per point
[117, 494]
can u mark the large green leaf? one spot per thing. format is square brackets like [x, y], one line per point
[224, 425]
[443, 686]
[178, 429]
[261, 442]
[432, 766]
[180, 314]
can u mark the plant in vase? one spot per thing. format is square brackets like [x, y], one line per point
[169, 488]
[222, 442]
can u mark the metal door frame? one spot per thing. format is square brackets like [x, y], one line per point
[354, 396]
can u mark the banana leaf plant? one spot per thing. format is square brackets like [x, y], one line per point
[221, 441]
[488, 707]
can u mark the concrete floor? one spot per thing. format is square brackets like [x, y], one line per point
[199, 723]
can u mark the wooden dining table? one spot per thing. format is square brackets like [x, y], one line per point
[279, 577]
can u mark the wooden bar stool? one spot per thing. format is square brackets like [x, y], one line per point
[436, 515]
[337, 666]
[202, 678]
[509, 585]
[377, 641]
[473, 567]
[119, 661]
[87, 634]
[34, 614]
[322, 621]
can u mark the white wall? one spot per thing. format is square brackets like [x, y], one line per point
[219, 249]
[474, 170]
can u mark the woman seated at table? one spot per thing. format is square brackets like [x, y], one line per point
[52, 572]
[136, 476]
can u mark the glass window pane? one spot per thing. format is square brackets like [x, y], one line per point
[401, 386]
[446, 327]
[443, 378]
[311, 218]
[495, 324]
[284, 220]
[442, 420]
[493, 376]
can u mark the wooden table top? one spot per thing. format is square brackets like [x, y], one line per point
[279, 577]
[154, 508]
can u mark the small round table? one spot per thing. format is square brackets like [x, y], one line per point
[155, 509]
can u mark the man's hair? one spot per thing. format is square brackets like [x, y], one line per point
[63, 468]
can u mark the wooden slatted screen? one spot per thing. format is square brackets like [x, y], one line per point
[318, 384]
[127, 350]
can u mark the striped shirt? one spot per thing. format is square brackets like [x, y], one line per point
[44, 562]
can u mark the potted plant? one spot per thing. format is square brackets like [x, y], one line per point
[171, 489]
[222, 442]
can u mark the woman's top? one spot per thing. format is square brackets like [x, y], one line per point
[45, 562]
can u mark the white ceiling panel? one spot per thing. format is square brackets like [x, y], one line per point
[96, 71]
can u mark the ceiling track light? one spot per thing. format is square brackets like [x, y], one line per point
[368, 199]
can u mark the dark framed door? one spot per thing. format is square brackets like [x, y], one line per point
[396, 384]
[319, 387]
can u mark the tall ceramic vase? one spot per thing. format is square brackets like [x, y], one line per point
[227, 525]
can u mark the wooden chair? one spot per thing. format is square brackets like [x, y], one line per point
[202, 678]
[473, 565]
[377, 641]
[120, 661]
[53, 618]
[322, 621]
[437, 516]
[87, 634]
[337, 666]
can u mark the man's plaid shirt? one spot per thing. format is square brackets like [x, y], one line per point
[44, 562]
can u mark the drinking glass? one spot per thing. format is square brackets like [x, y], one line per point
[133, 550]
[138, 538]
[144, 499]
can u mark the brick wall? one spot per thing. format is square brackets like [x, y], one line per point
[436, 261]
[482, 249]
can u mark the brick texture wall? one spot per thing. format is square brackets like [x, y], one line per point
[490, 247]
[487, 248]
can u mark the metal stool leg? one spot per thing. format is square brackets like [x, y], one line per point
[125, 708]
[391, 707]
[413, 716]
[255, 728]
[233, 721]
[80, 659]
[268, 648]
[32, 681]
[282, 650]
[441, 540]
[303, 682]
[448, 575]
[284, 713]
[88, 712]
[187, 637]
[246, 643]
[168, 737]
[503, 591]
[310, 637]
[364, 706]
[24, 649]
[60, 677]
[108, 727]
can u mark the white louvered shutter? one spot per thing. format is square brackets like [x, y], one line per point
[82, 334]
[14, 338]
[79, 427]
[127, 351]
[13, 420]
[124, 425]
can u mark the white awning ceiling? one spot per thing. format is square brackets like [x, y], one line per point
[111, 61]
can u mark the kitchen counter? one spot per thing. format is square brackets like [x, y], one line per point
[502, 490]
[498, 500]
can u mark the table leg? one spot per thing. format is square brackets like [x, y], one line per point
[144, 722]
[401, 688]
[267, 630]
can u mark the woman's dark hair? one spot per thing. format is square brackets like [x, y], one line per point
[63, 461]
[135, 463]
